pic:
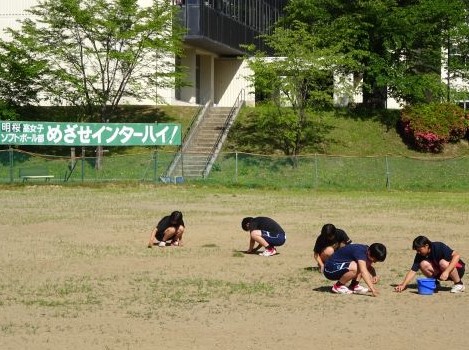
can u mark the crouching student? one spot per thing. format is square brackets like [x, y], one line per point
[352, 263]
[170, 227]
[264, 231]
[437, 260]
[329, 240]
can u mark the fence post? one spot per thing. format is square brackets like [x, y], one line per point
[72, 157]
[82, 164]
[236, 167]
[388, 179]
[155, 164]
[315, 185]
[10, 152]
[182, 164]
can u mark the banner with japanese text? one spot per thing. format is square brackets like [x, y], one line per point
[89, 134]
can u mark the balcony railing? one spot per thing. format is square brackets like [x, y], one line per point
[217, 31]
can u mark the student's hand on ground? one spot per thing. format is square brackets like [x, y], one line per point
[374, 292]
[399, 288]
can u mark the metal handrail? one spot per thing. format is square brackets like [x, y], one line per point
[187, 136]
[194, 124]
[239, 102]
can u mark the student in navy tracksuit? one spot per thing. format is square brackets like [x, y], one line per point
[437, 260]
[350, 264]
[264, 231]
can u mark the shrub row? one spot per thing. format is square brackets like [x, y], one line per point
[428, 127]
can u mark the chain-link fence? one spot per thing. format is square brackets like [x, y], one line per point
[252, 170]
[340, 172]
[20, 166]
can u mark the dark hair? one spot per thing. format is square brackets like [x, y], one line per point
[378, 251]
[245, 223]
[329, 232]
[420, 241]
[176, 216]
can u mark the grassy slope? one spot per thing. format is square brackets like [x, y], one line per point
[365, 135]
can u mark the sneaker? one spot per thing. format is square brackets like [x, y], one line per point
[360, 289]
[458, 288]
[162, 244]
[269, 252]
[341, 289]
[175, 243]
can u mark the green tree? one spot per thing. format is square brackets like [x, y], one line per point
[19, 75]
[397, 42]
[98, 52]
[19, 79]
[298, 77]
[421, 33]
[358, 29]
[457, 62]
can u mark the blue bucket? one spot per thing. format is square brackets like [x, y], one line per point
[426, 286]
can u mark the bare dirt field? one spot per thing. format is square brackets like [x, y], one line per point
[76, 272]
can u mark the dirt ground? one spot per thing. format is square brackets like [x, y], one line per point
[76, 272]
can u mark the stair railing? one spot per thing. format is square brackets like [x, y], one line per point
[191, 130]
[234, 111]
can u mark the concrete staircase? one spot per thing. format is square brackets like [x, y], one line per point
[197, 152]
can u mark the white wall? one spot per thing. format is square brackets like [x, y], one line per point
[189, 62]
[11, 11]
[350, 91]
[221, 79]
[230, 78]
[207, 73]
[15, 7]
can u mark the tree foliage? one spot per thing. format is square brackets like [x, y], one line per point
[20, 75]
[358, 28]
[397, 42]
[457, 59]
[300, 76]
[93, 53]
[420, 36]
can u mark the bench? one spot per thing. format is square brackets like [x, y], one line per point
[35, 173]
[175, 179]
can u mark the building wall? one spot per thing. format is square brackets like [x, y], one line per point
[207, 73]
[16, 7]
[348, 90]
[188, 93]
[231, 77]
[220, 79]
[11, 11]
